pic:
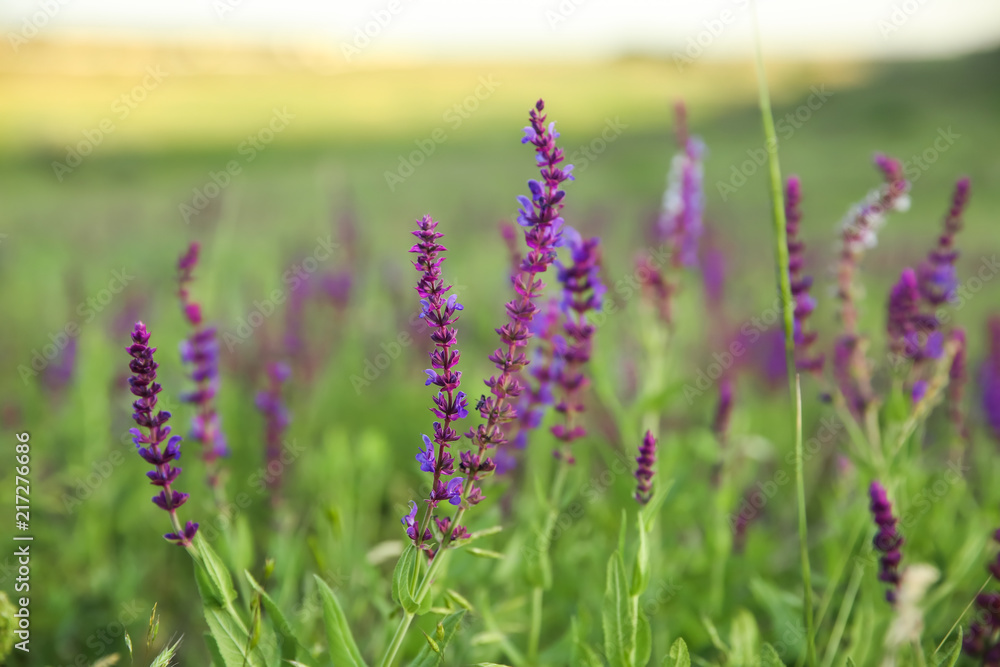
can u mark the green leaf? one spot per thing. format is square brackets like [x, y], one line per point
[643, 639]
[744, 638]
[458, 599]
[651, 510]
[770, 658]
[231, 640]
[485, 553]
[291, 647]
[582, 655]
[343, 651]
[640, 569]
[216, 585]
[402, 580]
[951, 657]
[617, 618]
[850, 662]
[679, 656]
[428, 656]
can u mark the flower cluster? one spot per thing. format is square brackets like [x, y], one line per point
[800, 283]
[582, 294]
[983, 638]
[272, 406]
[989, 379]
[535, 398]
[150, 442]
[440, 312]
[680, 221]
[540, 215]
[644, 472]
[858, 233]
[887, 540]
[938, 279]
[907, 326]
[201, 353]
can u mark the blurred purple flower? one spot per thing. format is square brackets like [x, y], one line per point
[680, 221]
[582, 296]
[270, 403]
[887, 540]
[938, 278]
[200, 353]
[644, 472]
[800, 283]
[983, 639]
[150, 441]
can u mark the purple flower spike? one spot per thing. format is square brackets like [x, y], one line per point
[644, 472]
[983, 639]
[200, 352]
[800, 283]
[582, 295]
[540, 216]
[938, 278]
[440, 311]
[271, 404]
[957, 378]
[680, 222]
[152, 433]
[989, 379]
[887, 540]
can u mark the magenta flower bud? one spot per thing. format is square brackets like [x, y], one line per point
[938, 278]
[644, 472]
[800, 283]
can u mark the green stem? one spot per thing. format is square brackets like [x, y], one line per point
[535, 632]
[843, 615]
[425, 584]
[788, 310]
[538, 592]
[800, 492]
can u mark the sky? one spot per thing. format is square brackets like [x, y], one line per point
[530, 29]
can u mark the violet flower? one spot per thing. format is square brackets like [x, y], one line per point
[989, 379]
[271, 404]
[858, 233]
[535, 398]
[680, 221]
[957, 378]
[152, 432]
[201, 353]
[59, 373]
[983, 639]
[644, 472]
[800, 283]
[582, 294]
[724, 409]
[440, 311]
[539, 214]
[938, 279]
[887, 540]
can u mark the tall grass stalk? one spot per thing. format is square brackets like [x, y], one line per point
[788, 310]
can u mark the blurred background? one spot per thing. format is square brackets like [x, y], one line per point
[300, 140]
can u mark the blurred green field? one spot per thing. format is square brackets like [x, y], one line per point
[120, 210]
